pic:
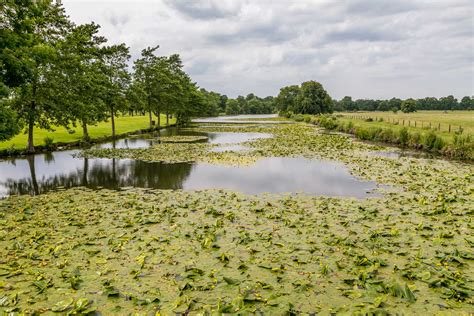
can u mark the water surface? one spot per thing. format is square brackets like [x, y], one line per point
[41, 173]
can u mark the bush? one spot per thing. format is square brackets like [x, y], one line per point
[49, 143]
[388, 135]
[462, 147]
[369, 119]
[403, 136]
[415, 140]
[432, 142]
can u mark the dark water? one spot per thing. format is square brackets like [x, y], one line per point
[45, 172]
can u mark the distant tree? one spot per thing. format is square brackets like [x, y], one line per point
[448, 103]
[286, 99]
[232, 107]
[467, 103]
[313, 99]
[408, 106]
[347, 104]
[223, 103]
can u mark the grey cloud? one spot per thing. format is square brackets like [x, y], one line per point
[418, 47]
[272, 33]
[379, 7]
[201, 9]
[369, 35]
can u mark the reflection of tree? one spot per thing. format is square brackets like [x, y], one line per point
[109, 173]
[31, 164]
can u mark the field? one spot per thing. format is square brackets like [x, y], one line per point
[123, 124]
[423, 119]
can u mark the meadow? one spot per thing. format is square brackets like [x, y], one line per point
[439, 121]
[123, 125]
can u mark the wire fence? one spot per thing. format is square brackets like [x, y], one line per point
[437, 126]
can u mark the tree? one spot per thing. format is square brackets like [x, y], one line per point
[286, 99]
[28, 38]
[313, 99]
[81, 77]
[467, 103]
[408, 106]
[145, 79]
[117, 79]
[232, 107]
[448, 103]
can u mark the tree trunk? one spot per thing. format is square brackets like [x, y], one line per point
[112, 114]
[167, 119]
[85, 172]
[151, 118]
[31, 163]
[31, 125]
[85, 132]
[158, 116]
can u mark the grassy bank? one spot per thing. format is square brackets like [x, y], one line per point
[123, 124]
[445, 123]
[456, 145]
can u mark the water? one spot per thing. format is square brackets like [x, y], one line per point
[241, 119]
[45, 172]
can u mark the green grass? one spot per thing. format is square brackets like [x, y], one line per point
[465, 119]
[123, 124]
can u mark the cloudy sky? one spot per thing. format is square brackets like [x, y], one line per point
[362, 48]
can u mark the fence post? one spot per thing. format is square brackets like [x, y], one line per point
[430, 125]
[449, 128]
[439, 127]
[403, 123]
[415, 123]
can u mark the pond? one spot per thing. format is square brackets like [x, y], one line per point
[45, 172]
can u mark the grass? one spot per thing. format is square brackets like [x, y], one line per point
[123, 124]
[465, 119]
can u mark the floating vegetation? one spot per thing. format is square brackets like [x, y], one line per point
[81, 251]
[182, 139]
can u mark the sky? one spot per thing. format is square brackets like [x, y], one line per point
[362, 48]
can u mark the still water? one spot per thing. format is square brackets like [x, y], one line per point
[45, 172]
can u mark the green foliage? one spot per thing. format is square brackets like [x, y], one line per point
[309, 98]
[403, 136]
[9, 125]
[408, 106]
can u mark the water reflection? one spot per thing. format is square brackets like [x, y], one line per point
[45, 172]
[39, 174]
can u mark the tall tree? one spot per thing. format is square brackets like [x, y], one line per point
[28, 41]
[313, 99]
[117, 79]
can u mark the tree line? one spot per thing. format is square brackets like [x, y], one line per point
[409, 105]
[56, 73]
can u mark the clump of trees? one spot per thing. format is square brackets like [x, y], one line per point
[55, 73]
[308, 98]
[409, 105]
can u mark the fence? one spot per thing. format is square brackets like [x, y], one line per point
[411, 123]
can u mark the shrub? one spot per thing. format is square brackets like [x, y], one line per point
[388, 135]
[432, 142]
[462, 147]
[369, 119]
[403, 136]
[349, 126]
[307, 118]
[298, 117]
[414, 140]
[49, 143]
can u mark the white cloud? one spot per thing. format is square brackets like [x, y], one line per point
[363, 48]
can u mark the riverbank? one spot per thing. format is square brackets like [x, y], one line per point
[457, 145]
[63, 139]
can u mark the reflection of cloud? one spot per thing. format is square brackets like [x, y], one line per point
[239, 46]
